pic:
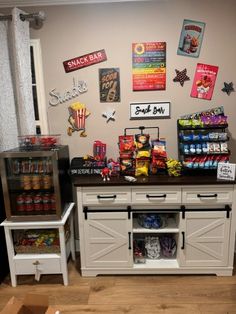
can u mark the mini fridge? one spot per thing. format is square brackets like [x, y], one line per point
[36, 183]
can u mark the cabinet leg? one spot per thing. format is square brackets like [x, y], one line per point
[13, 280]
[10, 253]
[65, 279]
[64, 269]
[72, 238]
[225, 273]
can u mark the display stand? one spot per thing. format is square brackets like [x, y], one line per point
[142, 128]
[46, 263]
[201, 148]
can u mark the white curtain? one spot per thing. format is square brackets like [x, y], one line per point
[8, 121]
[20, 38]
[16, 99]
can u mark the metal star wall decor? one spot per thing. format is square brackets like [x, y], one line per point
[228, 88]
[109, 115]
[181, 77]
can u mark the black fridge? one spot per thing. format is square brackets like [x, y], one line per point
[4, 266]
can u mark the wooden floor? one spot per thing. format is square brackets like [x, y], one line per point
[129, 294]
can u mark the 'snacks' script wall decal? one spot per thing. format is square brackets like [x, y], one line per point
[77, 89]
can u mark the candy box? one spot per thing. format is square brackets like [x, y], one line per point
[99, 150]
[32, 304]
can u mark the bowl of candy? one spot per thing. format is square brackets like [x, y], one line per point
[38, 141]
[49, 140]
[28, 141]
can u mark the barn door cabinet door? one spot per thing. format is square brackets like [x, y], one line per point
[108, 240]
[204, 239]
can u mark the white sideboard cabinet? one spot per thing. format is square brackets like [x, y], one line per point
[199, 215]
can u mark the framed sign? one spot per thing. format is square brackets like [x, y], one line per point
[150, 110]
[226, 171]
[191, 38]
[109, 83]
[149, 66]
[204, 81]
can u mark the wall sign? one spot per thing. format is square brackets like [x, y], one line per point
[78, 88]
[154, 110]
[109, 82]
[149, 66]
[226, 171]
[191, 38]
[85, 61]
[204, 81]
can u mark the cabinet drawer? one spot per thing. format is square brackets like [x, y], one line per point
[106, 196]
[208, 195]
[156, 196]
[24, 266]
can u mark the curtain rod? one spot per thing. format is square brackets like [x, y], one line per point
[39, 15]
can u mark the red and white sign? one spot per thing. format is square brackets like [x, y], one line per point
[85, 61]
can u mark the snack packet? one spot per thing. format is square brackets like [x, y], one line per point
[126, 143]
[142, 141]
[142, 167]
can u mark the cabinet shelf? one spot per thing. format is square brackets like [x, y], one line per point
[170, 228]
[181, 141]
[22, 256]
[205, 127]
[161, 263]
[206, 154]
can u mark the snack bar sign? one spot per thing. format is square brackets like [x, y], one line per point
[155, 110]
[85, 61]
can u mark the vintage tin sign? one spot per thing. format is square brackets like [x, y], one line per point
[85, 61]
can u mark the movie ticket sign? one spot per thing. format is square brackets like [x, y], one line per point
[85, 61]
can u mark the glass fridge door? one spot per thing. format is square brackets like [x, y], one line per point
[30, 185]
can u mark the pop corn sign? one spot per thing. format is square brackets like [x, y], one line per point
[85, 61]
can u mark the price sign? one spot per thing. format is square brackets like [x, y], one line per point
[226, 171]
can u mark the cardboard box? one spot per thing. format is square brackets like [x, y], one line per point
[32, 304]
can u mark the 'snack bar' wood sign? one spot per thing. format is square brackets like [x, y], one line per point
[154, 110]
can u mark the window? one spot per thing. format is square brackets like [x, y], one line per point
[40, 110]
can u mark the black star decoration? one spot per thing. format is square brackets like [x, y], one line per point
[228, 88]
[181, 76]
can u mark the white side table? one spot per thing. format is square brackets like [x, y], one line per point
[38, 264]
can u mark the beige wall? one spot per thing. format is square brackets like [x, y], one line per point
[71, 31]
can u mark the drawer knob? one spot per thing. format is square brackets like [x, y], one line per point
[36, 263]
